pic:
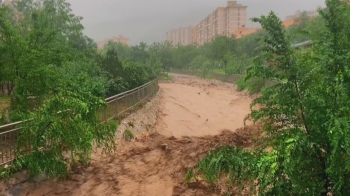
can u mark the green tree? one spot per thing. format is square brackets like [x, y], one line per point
[123, 51]
[128, 72]
[183, 55]
[36, 41]
[296, 103]
[237, 64]
[221, 47]
[65, 129]
[57, 83]
[164, 52]
[305, 115]
[139, 53]
[154, 62]
[198, 62]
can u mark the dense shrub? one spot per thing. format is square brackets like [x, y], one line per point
[61, 80]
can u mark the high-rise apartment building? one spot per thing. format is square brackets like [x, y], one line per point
[173, 35]
[219, 21]
[195, 35]
[224, 21]
[169, 36]
[186, 37]
[180, 36]
[177, 38]
[202, 32]
[235, 17]
[209, 25]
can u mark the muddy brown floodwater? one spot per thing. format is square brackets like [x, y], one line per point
[195, 107]
[192, 115]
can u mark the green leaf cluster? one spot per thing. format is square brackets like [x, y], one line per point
[58, 84]
[61, 79]
[225, 164]
[125, 72]
[305, 114]
[67, 137]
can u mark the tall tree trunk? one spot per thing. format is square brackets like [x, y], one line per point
[9, 88]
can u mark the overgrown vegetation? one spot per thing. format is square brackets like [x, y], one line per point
[305, 115]
[57, 76]
[225, 165]
[128, 135]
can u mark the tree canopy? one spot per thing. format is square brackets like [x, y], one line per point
[60, 79]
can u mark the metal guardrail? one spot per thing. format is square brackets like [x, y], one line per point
[304, 44]
[212, 75]
[117, 105]
[222, 77]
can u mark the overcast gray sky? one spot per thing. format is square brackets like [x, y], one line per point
[148, 20]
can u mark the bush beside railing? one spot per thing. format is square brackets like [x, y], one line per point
[118, 105]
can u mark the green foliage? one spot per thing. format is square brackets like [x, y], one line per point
[122, 50]
[61, 81]
[83, 76]
[221, 47]
[54, 132]
[154, 64]
[17, 165]
[205, 69]
[162, 53]
[305, 115]
[225, 164]
[241, 84]
[255, 85]
[223, 53]
[128, 135]
[139, 53]
[136, 74]
[202, 64]
[237, 64]
[44, 36]
[252, 85]
[198, 62]
[126, 72]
